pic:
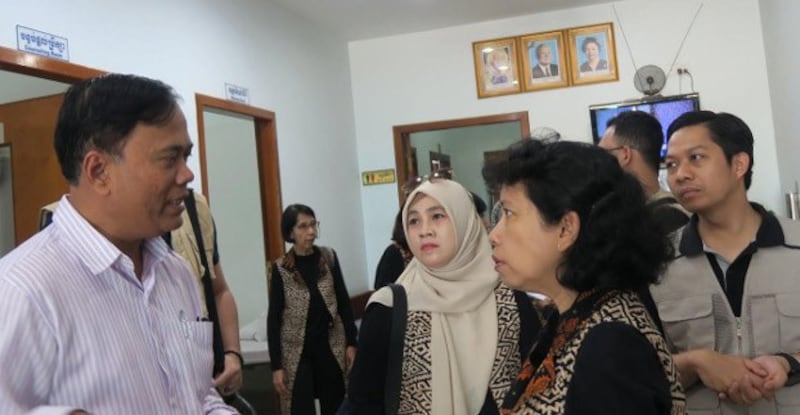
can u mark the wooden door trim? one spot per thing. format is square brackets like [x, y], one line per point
[268, 169]
[42, 67]
[46, 68]
[402, 143]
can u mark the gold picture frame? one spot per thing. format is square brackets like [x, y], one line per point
[593, 54]
[496, 67]
[544, 61]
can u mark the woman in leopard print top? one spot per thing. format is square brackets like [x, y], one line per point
[575, 228]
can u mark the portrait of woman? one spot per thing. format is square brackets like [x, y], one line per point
[463, 339]
[310, 327]
[593, 55]
[576, 229]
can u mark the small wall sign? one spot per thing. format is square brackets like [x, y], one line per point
[42, 43]
[377, 177]
[237, 94]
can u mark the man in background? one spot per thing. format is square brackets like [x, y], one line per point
[635, 139]
[99, 315]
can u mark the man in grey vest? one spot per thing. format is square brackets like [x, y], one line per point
[635, 138]
[730, 302]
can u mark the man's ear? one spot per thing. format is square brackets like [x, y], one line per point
[626, 154]
[570, 228]
[740, 163]
[95, 170]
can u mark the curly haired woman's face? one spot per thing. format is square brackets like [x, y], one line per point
[525, 249]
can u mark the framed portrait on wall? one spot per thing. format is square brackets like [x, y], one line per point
[593, 54]
[496, 67]
[544, 61]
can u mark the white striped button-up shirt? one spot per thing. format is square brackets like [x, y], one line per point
[78, 329]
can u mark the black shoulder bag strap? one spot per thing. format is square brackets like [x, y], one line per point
[208, 288]
[394, 370]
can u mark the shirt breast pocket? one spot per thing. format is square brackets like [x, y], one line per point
[197, 355]
[688, 322]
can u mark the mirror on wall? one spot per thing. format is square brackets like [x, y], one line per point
[6, 200]
[460, 144]
[463, 149]
[235, 195]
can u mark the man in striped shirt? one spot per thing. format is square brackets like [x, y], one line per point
[99, 315]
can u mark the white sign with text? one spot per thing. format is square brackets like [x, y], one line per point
[237, 94]
[42, 43]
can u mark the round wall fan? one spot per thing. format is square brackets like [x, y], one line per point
[649, 79]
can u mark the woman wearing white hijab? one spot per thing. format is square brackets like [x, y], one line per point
[462, 340]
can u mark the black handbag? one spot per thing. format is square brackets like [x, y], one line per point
[394, 368]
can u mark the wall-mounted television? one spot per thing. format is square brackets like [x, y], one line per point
[665, 109]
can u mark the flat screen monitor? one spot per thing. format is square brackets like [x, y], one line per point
[665, 109]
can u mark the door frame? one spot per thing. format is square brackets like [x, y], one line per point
[42, 67]
[46, 68]
[402, 137]
[267, 158]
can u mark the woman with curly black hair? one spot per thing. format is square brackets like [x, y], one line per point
[575, 228]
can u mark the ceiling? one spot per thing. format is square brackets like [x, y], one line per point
[365, 19]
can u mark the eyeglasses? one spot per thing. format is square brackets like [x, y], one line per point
[414, 182]
[613, 149]
[302, 227]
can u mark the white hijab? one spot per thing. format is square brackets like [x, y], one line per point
[460, 298]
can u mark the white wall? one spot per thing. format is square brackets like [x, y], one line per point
[430, 76]
[779, 19]
[291, 66]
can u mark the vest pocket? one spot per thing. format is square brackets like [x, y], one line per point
[688, 322]
[789, 322]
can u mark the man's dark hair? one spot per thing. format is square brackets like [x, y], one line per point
[619, 244]
[726, 130]
[642, 132]
[398, 233]
[100, 113]
[480, 204]
[289, 219]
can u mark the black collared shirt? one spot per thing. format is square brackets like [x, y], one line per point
[769, 234]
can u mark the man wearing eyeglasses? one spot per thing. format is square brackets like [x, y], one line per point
[635, 139]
